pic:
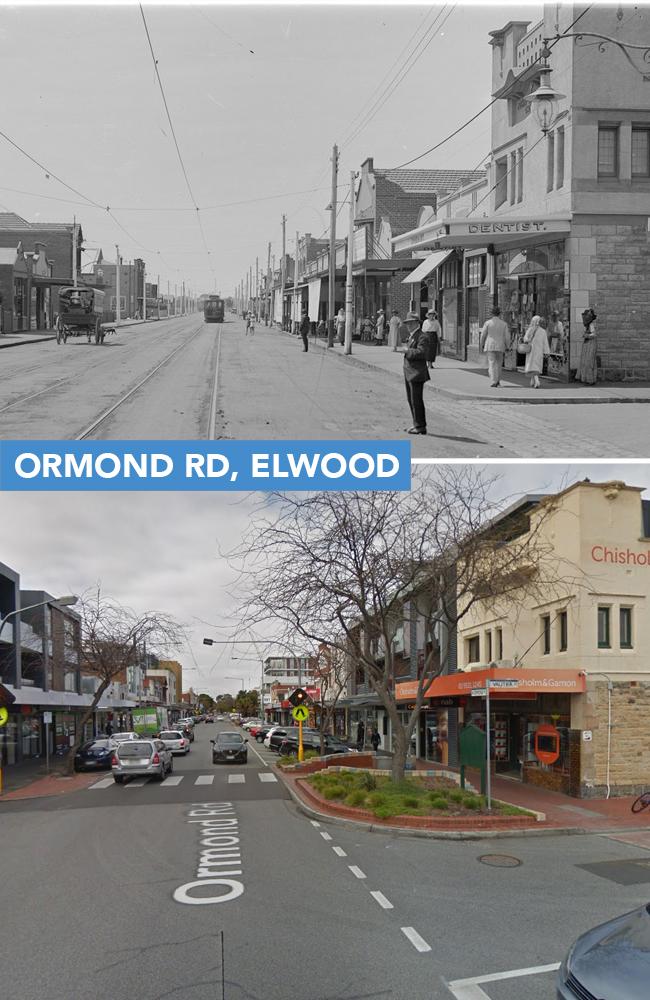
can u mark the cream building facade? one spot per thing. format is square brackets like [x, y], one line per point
[576, 716]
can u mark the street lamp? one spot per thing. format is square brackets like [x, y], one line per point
[66, 601]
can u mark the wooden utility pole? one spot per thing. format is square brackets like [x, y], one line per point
[283, 266]
[117, 285]
[349, 290]
[295, 283]
[257, 289]
[250, 288]
[272, 296]
[332, 270]
[267, 309]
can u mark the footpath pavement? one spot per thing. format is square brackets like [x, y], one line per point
[26, 337]
[465, 380]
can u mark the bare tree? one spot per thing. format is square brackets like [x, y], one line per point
[338, 568]
[331, 675]
[112, 640]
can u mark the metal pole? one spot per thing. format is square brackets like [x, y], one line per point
[47, 747]
[488, 780]
[144, 290]
[331, 299]
[257, 289]
[117, 285]
[74, 251]
[268, 287]
[301, 752]
[272, 296]
[158, 294]
[349, 289]
[295, 280]
[283, 267]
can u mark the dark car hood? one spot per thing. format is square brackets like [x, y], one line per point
[613, 960]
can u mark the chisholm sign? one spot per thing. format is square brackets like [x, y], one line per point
[623, 557]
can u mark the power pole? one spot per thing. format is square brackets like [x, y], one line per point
[144, 291]
[74, 251]
[257, 289]
[332, 275]
[349, 291]
[250, 288]
[283, 266]
[117, 285]
[295, 281]
[268, 287]
[158, 294]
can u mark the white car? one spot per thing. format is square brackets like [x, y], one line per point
[267, 738]
[122, 737]
[174, 741]
[251, 722]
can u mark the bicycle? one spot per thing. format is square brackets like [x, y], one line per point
[641, 803]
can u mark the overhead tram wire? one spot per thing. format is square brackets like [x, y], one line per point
[412, 60]
[478, 114]
[173, 131]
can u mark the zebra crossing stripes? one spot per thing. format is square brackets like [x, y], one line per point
[174, 780]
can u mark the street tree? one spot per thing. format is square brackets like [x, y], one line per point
[113, 639]
[350, 570]
[331, 673]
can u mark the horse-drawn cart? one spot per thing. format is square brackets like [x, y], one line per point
[80, 315]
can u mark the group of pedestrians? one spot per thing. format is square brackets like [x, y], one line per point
[495, 341]
[375, 737]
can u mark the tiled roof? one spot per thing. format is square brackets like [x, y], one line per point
[429, 181]
[9, 220]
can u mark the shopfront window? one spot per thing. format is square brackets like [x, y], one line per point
[9, 741]
[31, 736]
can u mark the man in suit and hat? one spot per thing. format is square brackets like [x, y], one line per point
[416, 372]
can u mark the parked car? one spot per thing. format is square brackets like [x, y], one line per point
[175, 740]
[141, 758]
[120, 737]
[229, 748]
[94, 755]
[331, 744]
[186, 728]
[209, 718]
[609, 962]
[277, 737]
[263, 731]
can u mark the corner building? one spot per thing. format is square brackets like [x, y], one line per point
[576, 717]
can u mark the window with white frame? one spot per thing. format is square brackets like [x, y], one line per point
[473, 649]
[640, 151]
[608, 150]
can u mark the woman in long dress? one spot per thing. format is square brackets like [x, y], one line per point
[536, 336]
[587, 367]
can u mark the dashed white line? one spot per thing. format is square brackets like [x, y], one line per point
[236, 779]
[172, 781]
[324, 835]
[136, 784]
[267, 776]
[416, 940]
[381, 899]
[204, 779]
[339, 850]
[259, 756]
[314, 822]
[356, 871]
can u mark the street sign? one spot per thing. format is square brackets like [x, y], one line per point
[47, 718]
[300, 713]
[505, 683]
[478, 692]
[4, 715]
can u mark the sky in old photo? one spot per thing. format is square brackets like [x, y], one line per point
[170, 552]
[257, 96]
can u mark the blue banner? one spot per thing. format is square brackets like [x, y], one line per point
[200, 465]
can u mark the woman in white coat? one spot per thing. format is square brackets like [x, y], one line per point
[536, 337]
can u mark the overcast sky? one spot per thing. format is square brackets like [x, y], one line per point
[165, 552]
[257, 96]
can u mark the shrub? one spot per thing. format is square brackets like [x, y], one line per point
[368, 780]
[472, 802]
[377, 799]
[356, 797]
[411, 801]
[384, 811]
[439, 803]
[334, 792]
[456, 795]
[311, 753]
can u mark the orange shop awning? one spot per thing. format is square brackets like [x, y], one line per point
[523, 681]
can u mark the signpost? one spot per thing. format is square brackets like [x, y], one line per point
[47, 719]
[300, 713]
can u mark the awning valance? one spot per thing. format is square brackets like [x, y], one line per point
[509, 682]
[427, 267]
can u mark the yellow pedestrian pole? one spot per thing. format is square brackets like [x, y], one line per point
[301, 753]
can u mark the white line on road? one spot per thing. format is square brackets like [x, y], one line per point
[418, 942]
[258, 754]
[104, 783]
[267, 776]
[204, 779]
[339, 850]
[469, 992]
[170, 782]
[381, 899]
[324, 835]
[356, 871]
[314, 822]
[236, 779]
[495, 977]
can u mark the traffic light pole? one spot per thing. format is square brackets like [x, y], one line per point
[301, 752]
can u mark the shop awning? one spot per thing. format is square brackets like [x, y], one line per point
[314, 298]
[504, 683]
[427, 267]
[500, 230]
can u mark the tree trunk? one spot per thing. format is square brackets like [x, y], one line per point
[400, 748]
[80, 728]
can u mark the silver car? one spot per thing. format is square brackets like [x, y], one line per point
[175, 741]
[141, 758]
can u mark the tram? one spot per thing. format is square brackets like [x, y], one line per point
[213, 309]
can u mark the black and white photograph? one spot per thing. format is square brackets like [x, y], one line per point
[328, 222]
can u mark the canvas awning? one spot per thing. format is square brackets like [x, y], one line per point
[514, 681]
[314, 298]
[427, 267]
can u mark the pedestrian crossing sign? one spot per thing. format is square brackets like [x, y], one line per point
[4, 715]
[300, 713]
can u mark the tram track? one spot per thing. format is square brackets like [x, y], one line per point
[88, 431]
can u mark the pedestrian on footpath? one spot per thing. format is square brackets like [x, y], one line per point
[394, 328]
[250, 325]
[340, 325]
[432, 327]
[588, 365]
[375, 739]
[380, 327]
[321, 329]
[361, 732]
[538, 349]
[305, 327]
[495, 341]
[416, 372]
